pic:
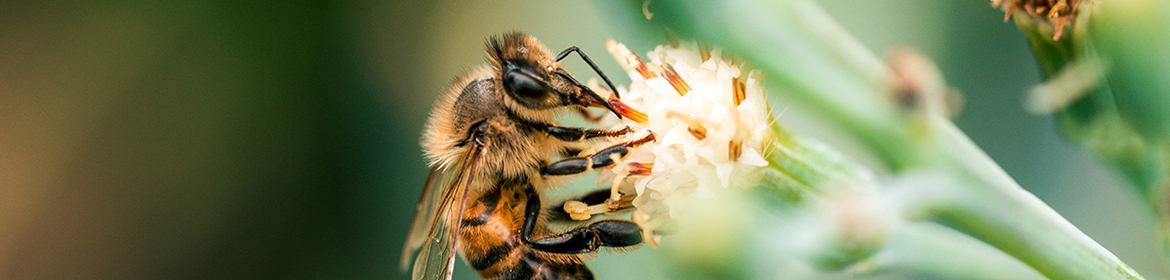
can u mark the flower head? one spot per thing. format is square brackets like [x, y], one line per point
[711, 120]
[1060, 12]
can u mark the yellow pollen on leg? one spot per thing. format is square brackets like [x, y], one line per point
[579, 211]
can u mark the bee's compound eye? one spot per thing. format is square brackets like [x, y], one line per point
[524, 86]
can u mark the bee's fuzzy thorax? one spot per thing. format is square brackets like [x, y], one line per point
[440, 149]
[447, 128]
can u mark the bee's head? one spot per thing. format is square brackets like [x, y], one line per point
[532, 77]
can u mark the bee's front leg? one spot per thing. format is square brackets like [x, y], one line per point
[608, 233]
[603, 158]
[576, 134]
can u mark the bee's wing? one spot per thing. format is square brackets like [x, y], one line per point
[436, 260]
[438, 181]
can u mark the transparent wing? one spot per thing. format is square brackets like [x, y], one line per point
[436, 259]
[438, 181]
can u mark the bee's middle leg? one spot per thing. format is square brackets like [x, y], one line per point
[608, 233]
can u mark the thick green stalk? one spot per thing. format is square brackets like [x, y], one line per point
[807, 174]
[980, 199]
[969, 193]
[930, 249]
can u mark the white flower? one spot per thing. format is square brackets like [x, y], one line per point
[710, 120]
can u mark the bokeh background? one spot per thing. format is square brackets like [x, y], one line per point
[198, 139]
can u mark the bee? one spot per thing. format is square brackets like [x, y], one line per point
[489, 140]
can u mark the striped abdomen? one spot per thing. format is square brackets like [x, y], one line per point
[490, 243]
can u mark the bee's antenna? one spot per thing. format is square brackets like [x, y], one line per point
[566, 52]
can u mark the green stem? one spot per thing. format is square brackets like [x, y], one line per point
[970, 194]
[980, 199]
[804, 172]
[930, 249]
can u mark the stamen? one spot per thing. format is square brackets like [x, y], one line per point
[1057, 8]
[1059, 25]
[1059, 12]
[632, 59]
[739, 89]
[641, 67]
[735, 146]
[694, 127]
[704, 52]
[640, 169]
[626, 201]
[672, 39]
[621, 174]
[676, 81]
[734, 149]
[626, 111]
[642, 220]
[617, 105]
[697, 131]
[1007, 13]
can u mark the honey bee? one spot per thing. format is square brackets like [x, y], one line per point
[489, 140]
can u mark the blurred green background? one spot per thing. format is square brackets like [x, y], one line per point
[280, 139]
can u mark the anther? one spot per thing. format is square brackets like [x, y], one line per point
[626, 111]
[625, 201]
[704, 52]
[632, 59]
[616, 182]
[675, 80]
[640, 169]
[694, 127]
[739, 89]
[734, 149]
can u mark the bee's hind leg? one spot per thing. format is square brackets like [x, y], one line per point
[608, 233]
